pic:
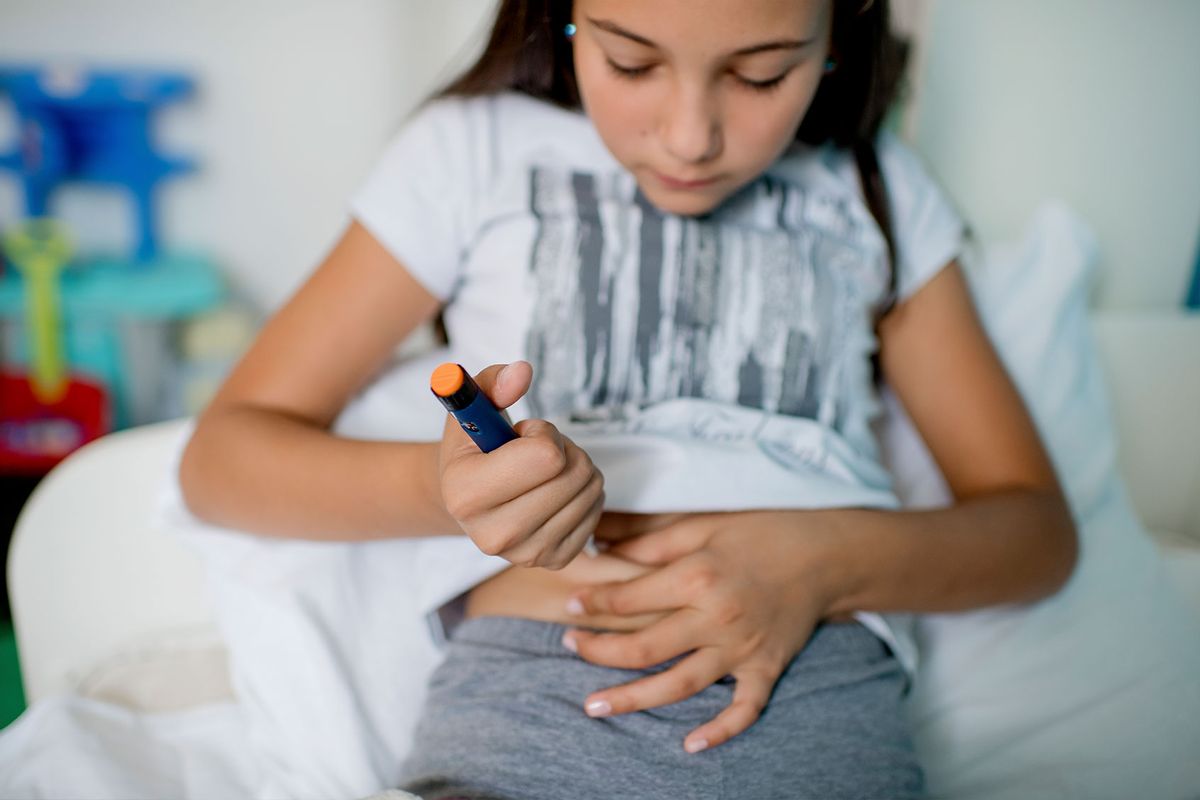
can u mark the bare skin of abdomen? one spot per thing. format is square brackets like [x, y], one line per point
[535, 593]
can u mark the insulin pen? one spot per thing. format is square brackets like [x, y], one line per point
[486, 426]
[463, 398]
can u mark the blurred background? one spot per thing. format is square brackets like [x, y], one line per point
[197, 156]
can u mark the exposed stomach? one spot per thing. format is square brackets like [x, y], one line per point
[542, 594]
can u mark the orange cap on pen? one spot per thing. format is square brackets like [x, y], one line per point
[447, 379]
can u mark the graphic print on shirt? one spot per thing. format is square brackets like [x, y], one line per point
[754, 305]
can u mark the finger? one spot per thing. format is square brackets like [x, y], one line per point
[753, 690]
[463, 446]
[505, 384]
[618, 525]
[505, 474]
[680, 538]
[684, 679]
[541, 547]
[543, 516]
[674, 635]
[576, 541]
[663, 589]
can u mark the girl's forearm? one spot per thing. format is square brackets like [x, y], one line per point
[264, 472]
[1013, 546]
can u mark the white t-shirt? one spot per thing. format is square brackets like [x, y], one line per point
[740, 341]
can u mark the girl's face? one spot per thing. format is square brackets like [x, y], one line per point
[698, 97]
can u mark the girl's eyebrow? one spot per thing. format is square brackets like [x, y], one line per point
[780, 44]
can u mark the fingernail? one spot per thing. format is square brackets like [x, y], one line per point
[598, 708]
[568, 641]
[695, 745]
[575, 607]
[502, 376]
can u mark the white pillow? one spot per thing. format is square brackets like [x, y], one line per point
[1094, 693]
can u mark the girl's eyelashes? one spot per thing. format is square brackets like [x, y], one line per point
[633, 73]
[626, 72]
[763, 86]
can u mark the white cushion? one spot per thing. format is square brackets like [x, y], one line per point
[1093, 692]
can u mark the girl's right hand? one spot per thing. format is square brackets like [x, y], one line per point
[534, 501]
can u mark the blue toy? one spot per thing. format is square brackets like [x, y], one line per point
[94, 127]
[1193, 298]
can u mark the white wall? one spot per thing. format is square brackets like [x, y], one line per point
[296, 99]
[1093, 101]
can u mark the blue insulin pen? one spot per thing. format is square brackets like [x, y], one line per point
[463, 398]
[486, 426]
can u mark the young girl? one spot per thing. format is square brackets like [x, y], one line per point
[675, 219]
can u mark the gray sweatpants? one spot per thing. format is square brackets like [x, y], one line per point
[504, 719]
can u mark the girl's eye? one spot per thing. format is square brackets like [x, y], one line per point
[627, 72]
[637, 72]
[761, 86]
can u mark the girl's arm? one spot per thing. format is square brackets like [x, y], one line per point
[1009, 536]
[261, 457]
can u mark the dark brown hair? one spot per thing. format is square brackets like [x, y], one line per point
[528, 52]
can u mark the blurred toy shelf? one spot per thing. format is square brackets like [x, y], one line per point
[88, 343]
[118, 325]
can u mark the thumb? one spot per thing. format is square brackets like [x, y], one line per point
[505, 384]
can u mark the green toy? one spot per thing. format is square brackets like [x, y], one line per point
[39, 249]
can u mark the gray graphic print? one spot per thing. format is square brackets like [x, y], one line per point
[756, 305]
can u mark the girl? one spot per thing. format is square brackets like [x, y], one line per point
[681, 215]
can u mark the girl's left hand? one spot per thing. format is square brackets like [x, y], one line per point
[742, 595]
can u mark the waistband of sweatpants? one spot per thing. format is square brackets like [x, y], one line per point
[538, 637]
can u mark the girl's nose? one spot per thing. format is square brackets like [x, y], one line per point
[690, 127]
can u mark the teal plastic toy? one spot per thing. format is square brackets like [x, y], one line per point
[117, 323]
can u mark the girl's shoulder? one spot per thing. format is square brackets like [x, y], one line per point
[502, 130]
[927, 227]
[833, 169]
[909, 180]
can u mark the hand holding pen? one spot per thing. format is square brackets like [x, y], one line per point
[533, 500]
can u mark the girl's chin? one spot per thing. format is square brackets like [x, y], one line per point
[682, 203]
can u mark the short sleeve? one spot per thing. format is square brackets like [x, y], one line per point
[929, 232]
[419, 200]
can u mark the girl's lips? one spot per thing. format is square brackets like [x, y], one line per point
[674, 183]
